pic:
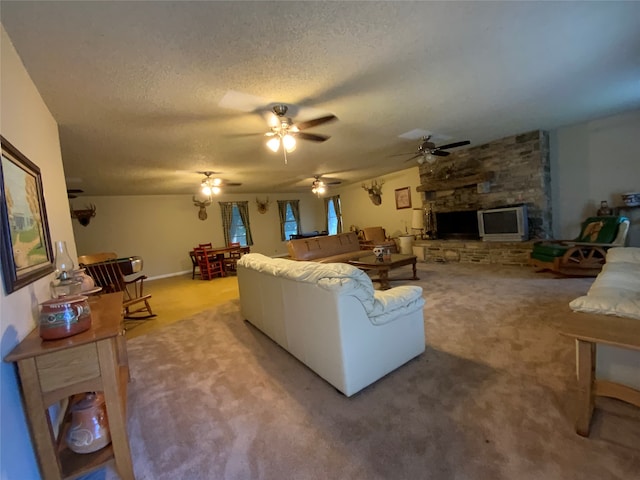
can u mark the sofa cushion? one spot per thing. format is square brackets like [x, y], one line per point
[599, 229]
[616, 290]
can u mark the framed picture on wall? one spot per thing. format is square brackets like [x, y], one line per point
[403, 198]
[26, 249]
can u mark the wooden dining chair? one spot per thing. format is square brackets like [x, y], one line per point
[231, 259]
[209, 266]
[194, 264]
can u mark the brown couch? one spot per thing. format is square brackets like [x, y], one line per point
[331, 248]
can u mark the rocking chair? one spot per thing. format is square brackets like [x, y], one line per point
[108, 275]
[585, 255]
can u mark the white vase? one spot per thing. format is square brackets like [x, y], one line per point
[85, 280]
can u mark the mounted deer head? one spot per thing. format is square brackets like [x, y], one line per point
[262, 206]
[84, 216]
[375, 191]
[202, 213]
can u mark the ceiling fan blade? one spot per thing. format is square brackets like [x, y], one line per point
[239, 135]
[311, 136]
[413, 158]
[315, 122]
[402, 154]
[439, 153]
[453, 145]
[231, 184]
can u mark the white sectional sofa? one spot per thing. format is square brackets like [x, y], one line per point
[329, 317]
[616, 291]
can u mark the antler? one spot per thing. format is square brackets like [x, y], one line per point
[198, 203]
[375, 188]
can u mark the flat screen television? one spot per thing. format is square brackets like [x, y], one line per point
[506, 224]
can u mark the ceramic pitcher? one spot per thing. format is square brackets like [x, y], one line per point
[89, 430]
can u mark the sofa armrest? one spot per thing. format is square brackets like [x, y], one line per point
[389, 305]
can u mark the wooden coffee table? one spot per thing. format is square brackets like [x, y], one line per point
[371, 262]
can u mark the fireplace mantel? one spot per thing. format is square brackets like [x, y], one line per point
[452, 183]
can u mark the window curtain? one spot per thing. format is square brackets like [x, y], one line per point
[243, 208]
[336, 207]
[226, 209]
[282, 212]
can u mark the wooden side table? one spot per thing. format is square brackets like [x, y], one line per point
[50, 371]
[589, 330]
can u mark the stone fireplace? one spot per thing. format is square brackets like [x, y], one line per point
[459, 225]
[513, 170]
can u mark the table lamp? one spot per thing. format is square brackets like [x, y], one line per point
[417, 221]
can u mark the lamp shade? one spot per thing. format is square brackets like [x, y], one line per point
[417, 220]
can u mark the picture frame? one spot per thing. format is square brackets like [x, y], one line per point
[403, 198]
[26, 250]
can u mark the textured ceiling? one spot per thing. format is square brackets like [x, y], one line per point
[136, 87]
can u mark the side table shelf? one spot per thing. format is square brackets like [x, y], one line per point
[50, 371]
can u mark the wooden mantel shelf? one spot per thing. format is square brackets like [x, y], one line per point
[451, 183]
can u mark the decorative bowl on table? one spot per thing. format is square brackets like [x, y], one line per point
[64, 316]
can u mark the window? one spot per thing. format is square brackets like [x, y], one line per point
[334, 215]
[290, 224]
[237, 231]
[235, 223]
[289, 212]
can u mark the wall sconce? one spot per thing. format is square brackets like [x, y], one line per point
[375, 191]
[84, 216]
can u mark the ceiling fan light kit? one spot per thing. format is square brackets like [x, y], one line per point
[427, 150]
[284, 131]
[318, 187]
[213, 186]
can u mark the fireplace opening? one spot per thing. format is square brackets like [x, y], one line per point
[462, 225]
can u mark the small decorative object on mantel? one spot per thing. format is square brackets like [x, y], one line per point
[375, 191]
[604, 209]
[262, 206]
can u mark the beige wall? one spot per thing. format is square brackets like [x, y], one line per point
[594, 161]
[28, 125]
[162, 229]
[357, 208]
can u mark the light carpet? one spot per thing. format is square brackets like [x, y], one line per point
[492, 397]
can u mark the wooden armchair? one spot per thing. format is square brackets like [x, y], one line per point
[585, 255]
[107, 274]
[376, 236]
